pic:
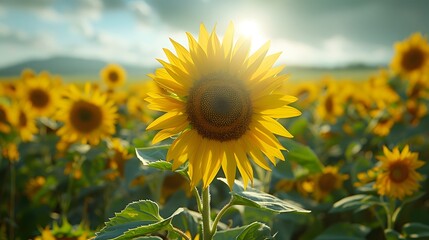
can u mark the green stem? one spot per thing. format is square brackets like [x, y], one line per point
[181, 233]
[391, 213]
[12, 200]
[198, 198]
[389, 208]
[207, 235]
[219, 216]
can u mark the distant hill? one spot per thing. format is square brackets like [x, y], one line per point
[78, 69]
[69, 66]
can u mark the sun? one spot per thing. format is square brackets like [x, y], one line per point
[251, 28]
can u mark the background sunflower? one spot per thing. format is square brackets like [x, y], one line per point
[88, 116]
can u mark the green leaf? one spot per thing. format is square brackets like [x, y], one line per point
[356, 203]
[148, 238]
[154, 157]
[254, 198]
[302, 155]
[392, 235]
[137, 219]
[344, 231]
[255, 230]
[416, 230]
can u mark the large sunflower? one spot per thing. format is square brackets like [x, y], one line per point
[411, 56]
[113, 75]
[40, 94]
[398, 176]
[88, 116]
[223, 104]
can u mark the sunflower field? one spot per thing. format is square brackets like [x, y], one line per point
[218, 143]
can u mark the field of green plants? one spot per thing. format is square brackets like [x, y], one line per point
[218, 144]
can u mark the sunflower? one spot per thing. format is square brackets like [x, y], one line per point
[327, 182]
[4, 118]
[27, 73]
[117, 159]
[411, 57]
[87, 115]
[10, 152]
[41, 95]
[113, 75]
[223, 104]
[23, 119]
[171, 184]
[330, 104]
[398, 176]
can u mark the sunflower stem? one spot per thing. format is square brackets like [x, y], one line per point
[391, 212]
[207, 234]
[12, 200]
[181, 233]
[219, 216]
[198, 198]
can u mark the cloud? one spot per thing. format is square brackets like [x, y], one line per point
[334, 51]
[143, 13]
[20, 45]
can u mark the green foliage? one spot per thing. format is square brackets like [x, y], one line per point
[254, 198]
[354, 203]
[137, 219]
[344, 231]
[303, 156]
[255, 230]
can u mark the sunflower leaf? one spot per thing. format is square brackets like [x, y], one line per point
[302, 155]
[416, 230]
[254, 230]
[154, 157]
[254, 198]
[356, 203]
[137, 219]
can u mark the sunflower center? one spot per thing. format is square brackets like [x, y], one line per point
[113, 76]
[329, 104]
[327, 182]
[85, 116]
[39, 98]
[22, 119]
[413, 59]
[219, 109]
[398, 172]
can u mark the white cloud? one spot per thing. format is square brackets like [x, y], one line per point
[334, 51]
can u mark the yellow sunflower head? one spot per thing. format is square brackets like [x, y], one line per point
[5, 112]
[23, 119]
[88, 116]
[223, 103]
[327, 182]
[411, 57]
[113, 75]
[117, 158]
[10, 152]
[40, 94]
[398, 177]
[330, 106]
[27, 73]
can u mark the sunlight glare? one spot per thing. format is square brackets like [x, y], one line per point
[252, 29]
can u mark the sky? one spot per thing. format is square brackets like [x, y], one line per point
[307, 32]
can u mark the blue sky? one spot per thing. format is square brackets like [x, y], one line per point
[321, 33]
